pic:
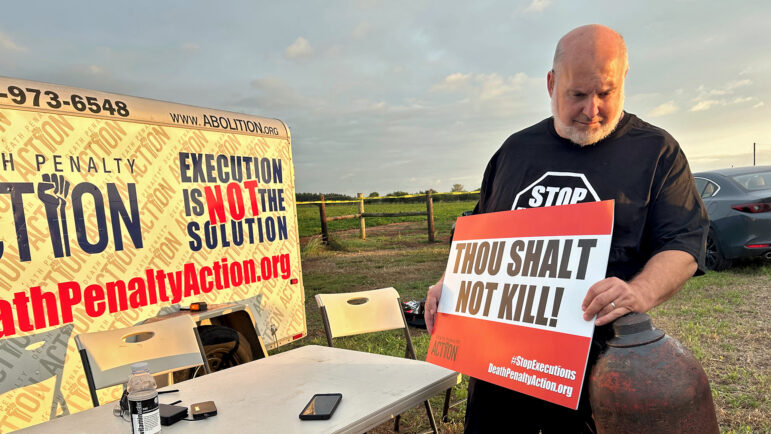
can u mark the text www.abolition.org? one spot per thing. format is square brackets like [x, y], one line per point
[531, 380]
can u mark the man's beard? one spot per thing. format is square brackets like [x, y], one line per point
[586, 137]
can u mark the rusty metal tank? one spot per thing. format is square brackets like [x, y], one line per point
[647, 382]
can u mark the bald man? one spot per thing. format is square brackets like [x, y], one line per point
[592, 146]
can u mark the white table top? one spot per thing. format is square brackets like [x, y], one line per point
[267, 395]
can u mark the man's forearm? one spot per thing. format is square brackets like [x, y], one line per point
[663, 275]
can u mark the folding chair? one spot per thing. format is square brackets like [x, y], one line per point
[166, 346]
[40, 357]
[362, 312]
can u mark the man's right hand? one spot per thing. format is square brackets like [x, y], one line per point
[432, 303]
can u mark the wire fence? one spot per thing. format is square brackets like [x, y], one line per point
[362, 215]
[417, 196]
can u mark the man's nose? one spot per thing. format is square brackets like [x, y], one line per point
[592, 106]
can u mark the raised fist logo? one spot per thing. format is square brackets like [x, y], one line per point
[53, 192]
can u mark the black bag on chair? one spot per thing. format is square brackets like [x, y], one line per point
[224, 347]
[413, 313]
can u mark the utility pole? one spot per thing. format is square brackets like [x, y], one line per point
[753, 153]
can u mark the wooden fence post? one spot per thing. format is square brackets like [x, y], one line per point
[361, 219]
[323, 214]
[430, 211]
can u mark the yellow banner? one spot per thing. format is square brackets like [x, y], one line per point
[107, 220]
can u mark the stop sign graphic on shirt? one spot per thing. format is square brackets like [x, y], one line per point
[556, 188]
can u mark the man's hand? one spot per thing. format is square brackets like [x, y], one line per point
[663, 275]
[610, 299]
[432, 303]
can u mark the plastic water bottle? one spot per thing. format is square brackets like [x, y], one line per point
[143, 401]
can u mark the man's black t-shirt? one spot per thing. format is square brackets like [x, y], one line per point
[657, 208]
[640, 166]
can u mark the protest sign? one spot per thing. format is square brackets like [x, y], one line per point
[510, 311]
[115, 210]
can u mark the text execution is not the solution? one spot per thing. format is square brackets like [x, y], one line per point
[233, 211]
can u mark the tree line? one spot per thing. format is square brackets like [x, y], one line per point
[394, 196]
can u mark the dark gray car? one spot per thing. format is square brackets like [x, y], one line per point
[738, 201]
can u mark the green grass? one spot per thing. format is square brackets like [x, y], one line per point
[445, 213]
[723, 319]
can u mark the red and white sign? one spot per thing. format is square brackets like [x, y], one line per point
[510, 311]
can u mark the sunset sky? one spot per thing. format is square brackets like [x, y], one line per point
[390, 95]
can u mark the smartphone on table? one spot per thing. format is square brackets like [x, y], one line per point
[321, 406]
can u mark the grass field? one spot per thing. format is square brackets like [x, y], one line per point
[723, 318]
[310, 224]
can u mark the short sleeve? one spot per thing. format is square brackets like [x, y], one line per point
[485, 192]
[677, 217]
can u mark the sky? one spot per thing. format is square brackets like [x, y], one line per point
[384, 96]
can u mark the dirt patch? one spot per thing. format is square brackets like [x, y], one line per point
[391, 230]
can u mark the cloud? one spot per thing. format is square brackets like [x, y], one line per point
[335, 51]
[728, 88]
[537, 6]
[706, 98]
[189, 46]
[95, 69]
[385, 134]
[759, 105]
[738, 83]
[274, 95]
[704, 105]
[8, 43]
[493, 85]
[482, 86]
[667, 108]
[452, 82]
[299, 48]
[362, 30]
[758, 66]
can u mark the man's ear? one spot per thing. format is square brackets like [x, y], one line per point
[550, 82]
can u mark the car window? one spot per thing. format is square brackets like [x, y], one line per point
[709, 190]
[705, 187]
[754, 181]
[700, 183]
